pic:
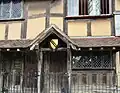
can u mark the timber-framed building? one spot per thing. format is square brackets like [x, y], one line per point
[59, 46]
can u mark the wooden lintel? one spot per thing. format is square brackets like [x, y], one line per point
[88, 17]
[37, 16]
[49, 49]
[56, 14]
[44, 15]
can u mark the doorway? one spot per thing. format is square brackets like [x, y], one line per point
[55, 69]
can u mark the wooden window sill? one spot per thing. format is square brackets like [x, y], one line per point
[89, 16]
[7, 20]
[112, 68]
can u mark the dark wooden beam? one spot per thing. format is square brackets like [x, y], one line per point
[23, 29]
[56, 15]
[40, 62]
[6, 31]
[44, 15]
[89, 17]
[113, 6]
[24, 24]
[112, 26]
[49, 49]
[12, 20]
[65, 25]
[89, 28]
[69, 68]
[114, 58]
[37, 16]
[47, 23]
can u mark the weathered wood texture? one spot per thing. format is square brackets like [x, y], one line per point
[54, 70]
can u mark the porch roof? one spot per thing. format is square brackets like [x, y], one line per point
[73, 42]
[80, 42]
[15, 43]
[98, 42]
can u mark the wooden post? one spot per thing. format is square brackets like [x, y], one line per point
[118, 67]
[1, 76]
[1, 82]
[40, 59]
[69, 69]
[22, 71]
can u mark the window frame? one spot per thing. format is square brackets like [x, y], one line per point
[103, 67]
[17, 18]
[91, 16]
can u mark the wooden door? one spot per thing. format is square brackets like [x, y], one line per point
[55, 68]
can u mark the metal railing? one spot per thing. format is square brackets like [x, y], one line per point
[59, 83]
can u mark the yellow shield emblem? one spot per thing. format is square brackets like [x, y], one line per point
[54, 43]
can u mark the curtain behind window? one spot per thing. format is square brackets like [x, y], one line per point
[73, 7]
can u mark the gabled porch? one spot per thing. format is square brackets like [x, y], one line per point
[54, 63]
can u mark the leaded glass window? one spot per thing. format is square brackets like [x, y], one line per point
[89, 7]
[92, 60]
[94, 7]
[11, 9]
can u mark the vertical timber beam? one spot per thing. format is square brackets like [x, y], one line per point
[69, 68]
[65, 23]
[24, 23]
[89, 28]
[48, 15]
[1, 77]
[22, 70]
[6, 31]
[40, 56]
[111, 11]
[118, 67]
[112, 27]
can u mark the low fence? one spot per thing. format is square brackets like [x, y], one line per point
[59, 83]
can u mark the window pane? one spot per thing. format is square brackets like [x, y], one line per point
[106, 60]
[0, 8]
[73, 7]
[16, 9]
[97, 60]
[117, 25]
[91, 60]
[6, 9]
[94, 7]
